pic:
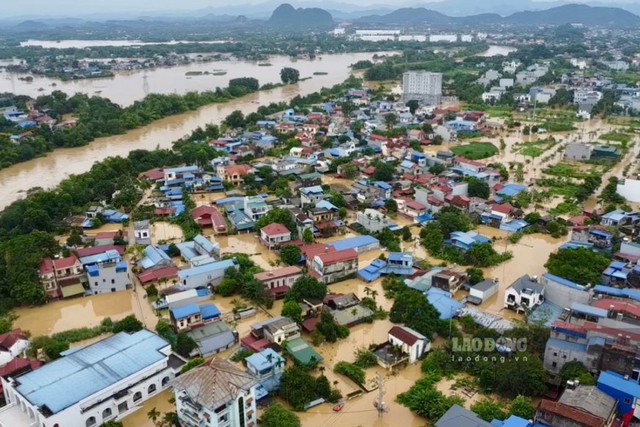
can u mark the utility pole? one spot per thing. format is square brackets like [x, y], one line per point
[379, 402]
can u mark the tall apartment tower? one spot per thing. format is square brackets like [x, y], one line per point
[422, 86]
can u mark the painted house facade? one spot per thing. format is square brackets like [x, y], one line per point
[334, 266]
[62, 277]
[106, 272]
[274, 235]
[279, 281]
[411, 342]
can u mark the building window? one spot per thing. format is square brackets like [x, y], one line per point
[113, 281]
[151, 389]
[165, 381]
[91, 421]
[555, 354]
[554, 364]
[137, 396]
[627, 401]
[241, 411]
[106, 413]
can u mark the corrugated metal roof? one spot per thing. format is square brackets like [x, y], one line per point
[355, 242]
[66, 381]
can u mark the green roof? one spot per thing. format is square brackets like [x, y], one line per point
[302, 352]
[311, 175]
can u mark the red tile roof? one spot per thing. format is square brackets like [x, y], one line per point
[563, 411]
[19, 365]
[469, 162]
[338, 256]
[278, 273]
[310, 251]
[415, 205]
[154, 174]
[505, 208]
[238, 170]
[46, 266]
[8, 339]
[275, 229]
[67, 262]
[94, 250]
[619, 306]
[110, 234]
[159, 274]
[403, 335]
[310, 324]
[164, 211]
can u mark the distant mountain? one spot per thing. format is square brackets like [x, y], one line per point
[566, 14]
[576, 14]
[407, 15]
[286, 15]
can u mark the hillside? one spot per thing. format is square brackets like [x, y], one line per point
[408, 15]
[576, 14]
[286, 15]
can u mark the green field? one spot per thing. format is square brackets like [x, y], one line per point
[476, 150]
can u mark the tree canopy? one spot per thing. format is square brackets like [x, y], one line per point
[306, 287]
[277, 415]
[289, 75]
[582, 266]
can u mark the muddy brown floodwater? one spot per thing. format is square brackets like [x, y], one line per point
[74, 313]
[48, 171]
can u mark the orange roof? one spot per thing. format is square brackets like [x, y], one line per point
[275, 229]
[564, 411]
[278, 273]
[337, 256]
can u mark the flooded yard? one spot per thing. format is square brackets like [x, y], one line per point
[74, 313]
[160, 402]
[165, 232]
[250, 245]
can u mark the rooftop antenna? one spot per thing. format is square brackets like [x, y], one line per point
[379, 402]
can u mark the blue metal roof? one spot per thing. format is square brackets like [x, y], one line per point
[316, 189]
[575, 245]
[566, 345]
[601, 234]
[204, 243]
[261, 360]
[185, 311]
[442, 301]
[182, 169]
[72, 378]
[354, 242]
[589, 310]
[382, 185]
[511, 190]
[153, 256]
[107, 256]
[229, 200]
[207, 268]
[564, 282]
[618, 382]
[209, 311]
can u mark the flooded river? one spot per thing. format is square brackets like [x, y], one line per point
[81, 44]
[127, 87]
[48, 171]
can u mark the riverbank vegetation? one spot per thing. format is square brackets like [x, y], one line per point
[95, 117]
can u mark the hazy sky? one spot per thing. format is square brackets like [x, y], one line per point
[80, 7]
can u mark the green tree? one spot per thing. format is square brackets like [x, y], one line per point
[277, 415]
[391, 206]
[475, 275]
[184, 344]
[306, 287]
[342, 213]
[297, 387]
[293, 311]
[235, 120]
[575, 370]
[113, 423]
[478, 188]
[129, 324]
[290, 254]
[411, 308]
[406, 234]
[413, 106]
[349, 171]
[193, 363]
[390, 120]
[488, 410]
[437, 140]
[307, 236]
[289, 75]
[280, 216]
[384, 171]
[522, 407]
[582, 266]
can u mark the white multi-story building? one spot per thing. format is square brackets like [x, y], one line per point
[217, 394]
[422, 86]
[87, 387]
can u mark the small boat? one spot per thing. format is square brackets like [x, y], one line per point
[338, 407]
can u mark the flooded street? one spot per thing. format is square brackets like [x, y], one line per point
[127, 87]
[166, 233]
[48, 171]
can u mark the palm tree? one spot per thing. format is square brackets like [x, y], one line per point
[153, 414]
[367, 290]
[374, 294]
